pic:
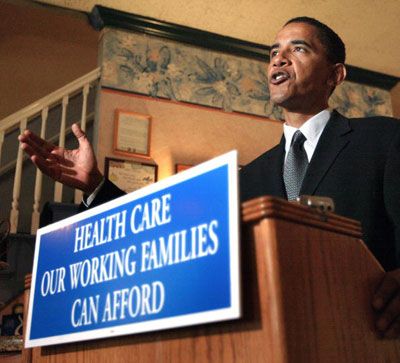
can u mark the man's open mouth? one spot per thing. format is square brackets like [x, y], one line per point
[279, 77]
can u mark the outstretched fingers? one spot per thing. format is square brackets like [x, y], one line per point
[47, 167]
[53, 168]
[34, 145]
[76, 168]
[33, 139]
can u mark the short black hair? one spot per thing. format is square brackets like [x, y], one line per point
[333, 44]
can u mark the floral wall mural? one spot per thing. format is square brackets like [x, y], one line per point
[167, 69]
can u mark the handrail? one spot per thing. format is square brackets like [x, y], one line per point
[10, 121]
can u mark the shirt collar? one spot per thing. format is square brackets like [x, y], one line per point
[311, 129]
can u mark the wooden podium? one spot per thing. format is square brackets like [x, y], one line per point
[307, 283]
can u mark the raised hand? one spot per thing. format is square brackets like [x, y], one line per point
[76, 168]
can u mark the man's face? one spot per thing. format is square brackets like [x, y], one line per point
[299, 74]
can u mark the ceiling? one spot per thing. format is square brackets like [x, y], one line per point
[369, 28]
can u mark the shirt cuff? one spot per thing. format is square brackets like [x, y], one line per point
[87, 201]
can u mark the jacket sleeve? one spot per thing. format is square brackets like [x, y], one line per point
[108, 191]
[392, 189]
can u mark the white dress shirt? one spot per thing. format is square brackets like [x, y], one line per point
[311, 129]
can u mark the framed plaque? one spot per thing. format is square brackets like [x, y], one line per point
[130, 175]
[132, 133]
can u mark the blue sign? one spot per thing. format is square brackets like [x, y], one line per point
[161, 257]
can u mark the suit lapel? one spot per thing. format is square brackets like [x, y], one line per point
[334, 138]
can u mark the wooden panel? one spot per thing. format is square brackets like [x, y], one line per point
[11, 358]
[326, 282]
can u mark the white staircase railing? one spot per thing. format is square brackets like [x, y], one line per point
[21, 119]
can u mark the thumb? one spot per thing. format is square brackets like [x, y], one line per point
[79, 134]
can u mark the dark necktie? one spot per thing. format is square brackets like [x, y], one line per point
[295, 166]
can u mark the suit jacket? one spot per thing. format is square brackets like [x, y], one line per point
[357, 163]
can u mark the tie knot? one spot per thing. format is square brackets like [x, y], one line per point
[298, 139]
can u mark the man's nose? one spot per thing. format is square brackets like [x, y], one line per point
[280, 60]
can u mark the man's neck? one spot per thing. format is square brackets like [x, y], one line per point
[297, 119]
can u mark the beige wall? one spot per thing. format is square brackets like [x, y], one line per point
[41, 50]
[186, 134]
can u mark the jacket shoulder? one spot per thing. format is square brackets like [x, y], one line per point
[382, 122]
[261, 158]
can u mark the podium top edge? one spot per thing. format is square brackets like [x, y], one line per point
[273, 207]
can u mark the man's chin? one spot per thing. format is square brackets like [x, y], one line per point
[280, 100]
[288, 104]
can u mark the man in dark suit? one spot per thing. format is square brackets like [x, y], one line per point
[356, 162]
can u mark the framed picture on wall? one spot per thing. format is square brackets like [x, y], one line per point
[130, 175]
[182, 167]
[132, 133]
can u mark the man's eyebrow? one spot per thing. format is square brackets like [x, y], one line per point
[301, 42]
[294, 42]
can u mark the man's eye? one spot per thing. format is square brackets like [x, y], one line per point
[273, 53]
[299, 49]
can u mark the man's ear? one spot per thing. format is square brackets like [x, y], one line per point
[338, 75]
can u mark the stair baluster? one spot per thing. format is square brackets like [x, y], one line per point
[17, 184]
[39, 179]
[58, 187]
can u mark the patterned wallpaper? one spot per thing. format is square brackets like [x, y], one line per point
[167, 69]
